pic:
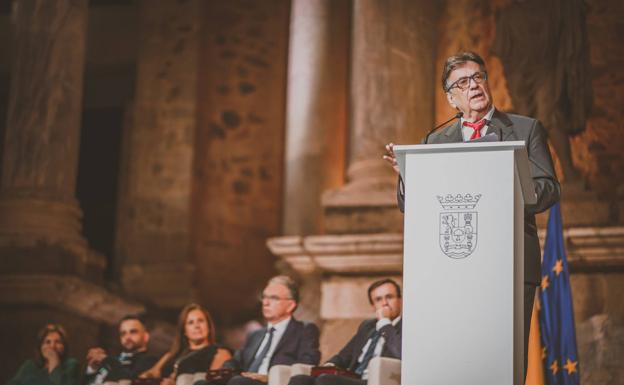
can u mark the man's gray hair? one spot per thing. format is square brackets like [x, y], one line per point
[457, 60]
[290, 284]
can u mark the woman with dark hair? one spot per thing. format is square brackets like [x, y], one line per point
[51, 365]
[194, 348]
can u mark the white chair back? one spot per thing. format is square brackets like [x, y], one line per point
[184, 379]
[279, 375]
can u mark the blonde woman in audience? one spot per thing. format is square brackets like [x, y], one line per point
[194, 348]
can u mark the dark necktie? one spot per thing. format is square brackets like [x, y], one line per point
[255, 365]
[477, 126]
[370, 352]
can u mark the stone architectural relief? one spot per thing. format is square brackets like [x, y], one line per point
[545, 53]
[316, 110]
[239, 150]
[153, 226]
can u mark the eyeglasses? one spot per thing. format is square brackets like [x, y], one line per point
[464, 83]
[271, 298]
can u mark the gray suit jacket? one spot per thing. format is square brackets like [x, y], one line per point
[509, 127]
[299, 344]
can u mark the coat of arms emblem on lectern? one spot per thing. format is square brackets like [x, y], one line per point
[458, 224]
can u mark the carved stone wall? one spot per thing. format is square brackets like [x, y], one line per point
[152, 250]
[239, 150]
[598, 151]
[390, 101]
[317, 109]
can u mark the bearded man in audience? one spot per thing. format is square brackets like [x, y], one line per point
[132, 361]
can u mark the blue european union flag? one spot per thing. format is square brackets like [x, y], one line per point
[556, 315]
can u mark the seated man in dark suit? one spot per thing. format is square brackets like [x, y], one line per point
[285, 341]
[380, 336]
[132, 361]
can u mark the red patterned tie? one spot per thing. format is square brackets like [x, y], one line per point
[477, 126]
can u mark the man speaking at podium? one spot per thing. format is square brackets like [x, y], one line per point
[465, 82]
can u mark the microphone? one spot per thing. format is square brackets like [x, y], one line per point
[457, 116]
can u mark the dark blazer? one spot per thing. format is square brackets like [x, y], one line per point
[348, 356]
[299, 344]
[509, 127]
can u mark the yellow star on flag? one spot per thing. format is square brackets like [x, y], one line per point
[544, 283]
[558, 267]
[570, 366]
[554, 367]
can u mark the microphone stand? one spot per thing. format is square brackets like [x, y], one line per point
[457, 116]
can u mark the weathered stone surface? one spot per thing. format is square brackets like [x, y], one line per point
[48, 273]
[583, 207]
[600, 342]
[597, 151]
[68, 293]
[595, 293]
[366, 254]
[352, 219]
[153, 232]
[392, 77]
[40, 157]
[43, 122]
[593, 248]
[557, 89]
[316, 117]
[239, 150]
[391, 101]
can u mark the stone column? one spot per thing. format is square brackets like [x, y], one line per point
[153, 242]
[238, 179]
[47, 272]
[392, 89]
[316, 115]
[40, 219]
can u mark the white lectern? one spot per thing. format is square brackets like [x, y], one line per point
[463, 262]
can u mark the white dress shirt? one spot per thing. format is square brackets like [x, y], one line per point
[280, 328]
[380, 343]
[468, 131]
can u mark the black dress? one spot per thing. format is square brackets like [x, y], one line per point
[190, 361]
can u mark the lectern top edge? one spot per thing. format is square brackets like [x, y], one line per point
[401, 150]
[459, 146]
[518, 147]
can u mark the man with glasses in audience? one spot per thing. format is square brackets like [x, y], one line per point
[465, 82]
[284, 341]
[132, 361]
[379, 336]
